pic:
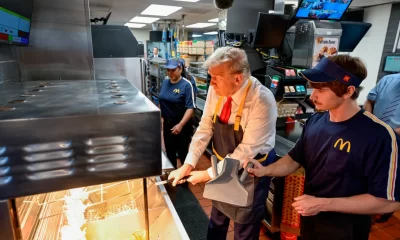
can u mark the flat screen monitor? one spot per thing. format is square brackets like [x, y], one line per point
[270, 31]
[392, 64]
[322, 9]
[15, 22]
[352, 34]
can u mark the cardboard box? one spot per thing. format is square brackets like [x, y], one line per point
[200, 51]
[209, 51]
[192, 50]
[199, 44]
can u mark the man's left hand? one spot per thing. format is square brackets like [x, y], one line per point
[307, 205]
[198, 177]
[176, 129]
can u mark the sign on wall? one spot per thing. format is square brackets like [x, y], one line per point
[324, 47]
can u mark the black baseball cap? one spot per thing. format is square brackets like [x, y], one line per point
[328, 71]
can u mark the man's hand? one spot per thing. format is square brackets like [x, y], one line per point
[198, 177]
[176, 129]
[180, 173]
[257, 170]
[308, 205]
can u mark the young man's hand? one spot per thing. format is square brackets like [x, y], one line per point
[257, 170]
[307, 205]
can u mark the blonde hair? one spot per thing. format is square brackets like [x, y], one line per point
[236, 56]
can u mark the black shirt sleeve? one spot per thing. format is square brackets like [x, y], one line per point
[381, 168]
[298, 152]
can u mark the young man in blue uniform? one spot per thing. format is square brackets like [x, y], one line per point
[349, 155]
[177, 105]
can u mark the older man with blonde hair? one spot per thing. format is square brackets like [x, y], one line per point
[239, 117]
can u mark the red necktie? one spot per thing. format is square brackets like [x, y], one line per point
[226, 111]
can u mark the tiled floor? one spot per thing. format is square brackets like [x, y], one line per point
[380, 231]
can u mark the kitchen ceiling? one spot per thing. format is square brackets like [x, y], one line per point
[125, 10]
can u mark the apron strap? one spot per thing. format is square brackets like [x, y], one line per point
[238, 117]
[262, 159]
[216, 153]
[217, 108]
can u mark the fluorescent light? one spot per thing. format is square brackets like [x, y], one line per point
[214, 20]
[186, 0]
[197, 35]
[160, 10]
[135, 25]
[201, 25]
[144, 19]
[211, 33]
[294, 2]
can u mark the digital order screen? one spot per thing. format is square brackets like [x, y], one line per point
[392, 64]
[14, 28]
[323, 9]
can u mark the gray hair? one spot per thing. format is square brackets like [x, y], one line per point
[236, 56]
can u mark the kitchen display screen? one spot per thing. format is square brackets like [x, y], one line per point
[14, 28]
[322, 9]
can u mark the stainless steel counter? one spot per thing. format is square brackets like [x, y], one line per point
[166, 164]
[60, 135]
[283, 146]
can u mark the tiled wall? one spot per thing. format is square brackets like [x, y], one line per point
[8, 63]
[390, 36]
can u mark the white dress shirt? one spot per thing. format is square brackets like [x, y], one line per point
[258, 123]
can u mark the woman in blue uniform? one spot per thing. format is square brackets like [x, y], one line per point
[185, 74]
[177, 106]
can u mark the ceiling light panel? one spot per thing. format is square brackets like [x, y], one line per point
[201, 25]
[186, 0]
[135, 25]
[213, 20]
[144, 19]
[160, 10]
[211, 33]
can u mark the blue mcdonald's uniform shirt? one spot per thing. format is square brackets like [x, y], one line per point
[176, 98]
[193, 81]
[353, 157]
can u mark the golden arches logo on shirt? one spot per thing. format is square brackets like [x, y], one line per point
[342, 144]
[176, 90]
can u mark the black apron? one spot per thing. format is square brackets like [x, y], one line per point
[226, 137]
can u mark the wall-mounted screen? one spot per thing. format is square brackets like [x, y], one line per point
[352, 34]
[322, 9]
[392, 64]
[15, 22]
